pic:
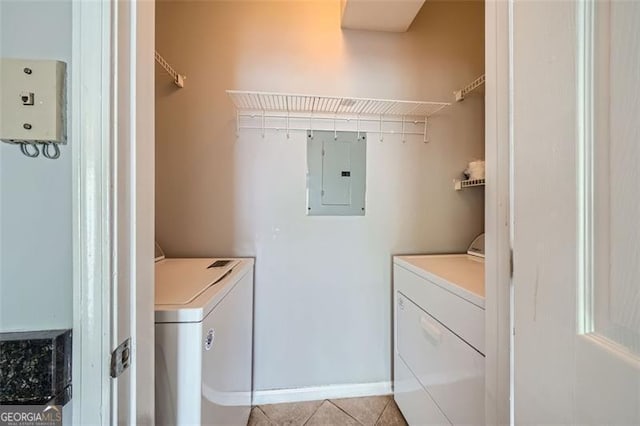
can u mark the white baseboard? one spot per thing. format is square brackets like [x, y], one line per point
[277, 396]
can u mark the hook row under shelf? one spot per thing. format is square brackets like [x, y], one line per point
[403, 126]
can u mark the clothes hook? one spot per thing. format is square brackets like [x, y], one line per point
[237, 123]
[403, 138]
[287, 124]
[426, 139]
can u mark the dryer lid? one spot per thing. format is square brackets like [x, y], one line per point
[181, 281]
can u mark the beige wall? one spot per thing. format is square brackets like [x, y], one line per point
[323, 285]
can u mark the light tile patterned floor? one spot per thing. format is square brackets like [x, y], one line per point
[368, 411]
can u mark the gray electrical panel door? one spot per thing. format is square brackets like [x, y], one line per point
[336, 176]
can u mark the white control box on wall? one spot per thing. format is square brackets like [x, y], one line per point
[32, 102]
[336, 176]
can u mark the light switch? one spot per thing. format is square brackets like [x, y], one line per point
[336, 173]
[32, 100]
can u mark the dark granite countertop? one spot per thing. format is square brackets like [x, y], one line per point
[35, 367]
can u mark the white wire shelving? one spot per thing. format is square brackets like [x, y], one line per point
[178, 79]
[469, 183]
[462, 93]
[286, 112]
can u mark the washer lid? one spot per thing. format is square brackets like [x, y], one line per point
[477, 246]
[181, 281]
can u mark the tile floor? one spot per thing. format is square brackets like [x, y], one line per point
[367, 411]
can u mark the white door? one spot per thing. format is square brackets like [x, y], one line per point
[576, 211]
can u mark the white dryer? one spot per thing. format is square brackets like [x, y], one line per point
[439, 337]
[204, 335]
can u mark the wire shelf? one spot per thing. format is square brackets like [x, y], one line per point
[178, 79]
[313, 107]
[460, 94]
[461, 184]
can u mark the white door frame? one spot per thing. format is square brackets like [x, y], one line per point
[498, 222]
[90, 115]
[92, 137]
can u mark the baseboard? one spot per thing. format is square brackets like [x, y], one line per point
[278, 396]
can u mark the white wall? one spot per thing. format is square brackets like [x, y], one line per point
[323, 284]
[35, 194]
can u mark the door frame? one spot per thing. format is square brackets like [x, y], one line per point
[498, 220]
[91, 112]
[92, 27]
[91, 178]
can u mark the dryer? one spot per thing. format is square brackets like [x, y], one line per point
[439, 337]
[203, 334]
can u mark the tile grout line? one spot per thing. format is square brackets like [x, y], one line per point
[344, 411]
[314, 412]
[265, 414]
[383, 410]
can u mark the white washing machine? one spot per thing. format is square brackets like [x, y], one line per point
[204, 335]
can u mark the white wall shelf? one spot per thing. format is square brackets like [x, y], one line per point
[281, 111]
[469, 183]
[178, 79]
[462, 93]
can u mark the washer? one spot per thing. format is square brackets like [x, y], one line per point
[439, 337]
[204, 340]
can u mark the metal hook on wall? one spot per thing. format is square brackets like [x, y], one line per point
[288, 136]
[426, 137]
[237, 123]
[403, 138]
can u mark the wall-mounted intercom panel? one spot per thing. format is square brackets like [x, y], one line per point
[32, 101]
[336, 176]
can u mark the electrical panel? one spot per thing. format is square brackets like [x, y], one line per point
[32, 101]
[336, 177]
